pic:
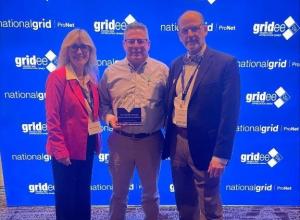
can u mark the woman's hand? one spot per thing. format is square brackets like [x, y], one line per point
[65, 161]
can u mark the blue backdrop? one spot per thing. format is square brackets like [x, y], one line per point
[263, 35]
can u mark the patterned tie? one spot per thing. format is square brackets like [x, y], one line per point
[192, 59]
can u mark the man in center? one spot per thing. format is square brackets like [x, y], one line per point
[132, 93]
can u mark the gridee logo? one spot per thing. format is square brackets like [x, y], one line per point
[35, 128]
[41, 188]
[34, 62]
[279, 98]
[272, 29]
[271, 158]
[113, 26]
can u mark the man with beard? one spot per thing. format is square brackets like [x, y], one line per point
[132, 94]
[203, 106]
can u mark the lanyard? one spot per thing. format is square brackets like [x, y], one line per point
[89, 100]
[186, 89]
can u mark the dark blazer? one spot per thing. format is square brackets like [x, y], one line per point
[213, 108]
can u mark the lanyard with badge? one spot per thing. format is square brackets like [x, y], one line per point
[186, 89]
[88, 99]
[93, 126]
[180, 110]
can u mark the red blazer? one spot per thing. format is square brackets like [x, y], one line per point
[67, 117]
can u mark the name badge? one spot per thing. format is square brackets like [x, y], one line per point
[180, 113]
[94, 127]
[133, 117]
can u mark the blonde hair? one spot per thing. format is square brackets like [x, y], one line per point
[91, 67]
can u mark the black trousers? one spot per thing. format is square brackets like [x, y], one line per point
[72, 186]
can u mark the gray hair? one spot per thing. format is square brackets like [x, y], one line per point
[191, 12]
[91, 67]
[136, 25]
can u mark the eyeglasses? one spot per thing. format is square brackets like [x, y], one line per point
[83, 47]
[193, 29]
[139, 41]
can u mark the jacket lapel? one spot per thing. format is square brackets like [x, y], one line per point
[205, 64]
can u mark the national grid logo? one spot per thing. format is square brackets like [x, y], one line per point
[113, 27]
[279, 98]
[34, 62]
[272, 158]
[271, 29]
[35, 25]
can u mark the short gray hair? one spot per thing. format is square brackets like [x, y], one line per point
[191, 12]
[136, 25]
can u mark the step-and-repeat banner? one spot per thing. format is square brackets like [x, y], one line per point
[263, 35]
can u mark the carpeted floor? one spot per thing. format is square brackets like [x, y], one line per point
[166, 213]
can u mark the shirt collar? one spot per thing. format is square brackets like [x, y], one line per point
[195, 59]
[140, 69]
[71, 75]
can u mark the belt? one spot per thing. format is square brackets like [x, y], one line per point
[183, 132]
[137, 136]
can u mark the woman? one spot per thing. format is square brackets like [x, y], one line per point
[72, 109]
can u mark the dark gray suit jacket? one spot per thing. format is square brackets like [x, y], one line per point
[213, 108]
